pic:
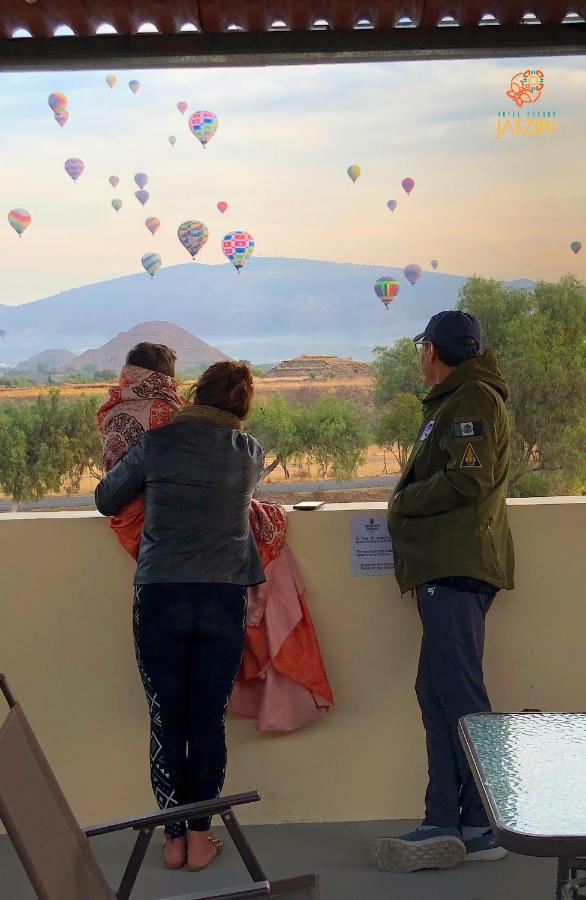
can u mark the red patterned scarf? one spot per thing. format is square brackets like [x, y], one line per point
[141, 400]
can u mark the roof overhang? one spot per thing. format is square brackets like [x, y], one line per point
[280, 32]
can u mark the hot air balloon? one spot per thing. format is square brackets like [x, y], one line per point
[57, 101]
[114, 181]
[182, 106]
[354, 172]
[222, 206]
[3, 333]
[134, 86]
[576, 246]
[111, 80]
[392, 204]
[20, 219]
[193, 235]
[434, 264]
[74, 168]
[141, 180]
[203, 125]
[407, 184]
[386, 289]
[142, 196]
[61, 117]
[152, 263]
[117, 204]
[238, 247]
[412, 273]
[153, 224]
[172, 140]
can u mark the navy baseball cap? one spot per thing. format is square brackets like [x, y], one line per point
[451, 329]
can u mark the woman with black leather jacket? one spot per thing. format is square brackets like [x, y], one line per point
[197, 557]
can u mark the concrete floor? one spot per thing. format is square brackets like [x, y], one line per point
[337, 852]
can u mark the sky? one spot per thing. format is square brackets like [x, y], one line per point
[505, 208]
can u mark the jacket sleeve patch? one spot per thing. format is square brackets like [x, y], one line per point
[468, 429]
[470, 459]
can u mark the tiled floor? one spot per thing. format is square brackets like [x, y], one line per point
[337, 852]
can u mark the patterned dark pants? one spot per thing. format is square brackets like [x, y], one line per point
[189, 640]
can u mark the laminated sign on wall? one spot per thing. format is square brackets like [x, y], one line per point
[371, 551]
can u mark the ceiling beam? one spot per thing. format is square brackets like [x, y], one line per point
[191, 49]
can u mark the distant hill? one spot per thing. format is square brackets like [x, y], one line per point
[276, 308]
[321, 367]
[46, 361]
[192, 353]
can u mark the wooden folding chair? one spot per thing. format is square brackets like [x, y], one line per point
[55, 852]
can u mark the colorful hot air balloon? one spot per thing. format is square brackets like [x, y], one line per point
[238, 247]
[152, 263]
[117, 204]
[172, 140]
[114, 181]
[354, 172]
[153, 224]
[193, 235]
[407, 184]
[203, 125]
[392, 204]
[57, 101]
[182, 106]
[386, 289]
[134, 86]
[222, 206]
[434, 264]
[412, 273]
[61, 117]
[576, 246]
[111, 80]
[142, 196]
[74, 168]
[141, 180]
[20, 219]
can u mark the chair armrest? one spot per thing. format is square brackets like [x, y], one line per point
[175, 813]
[258, 889]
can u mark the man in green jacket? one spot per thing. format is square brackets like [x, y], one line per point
[452, 545]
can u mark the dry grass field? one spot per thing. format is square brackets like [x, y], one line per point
[303, 390]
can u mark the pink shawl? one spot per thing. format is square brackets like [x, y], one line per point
[141, 400]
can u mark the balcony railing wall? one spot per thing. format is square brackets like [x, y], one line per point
[66, 646]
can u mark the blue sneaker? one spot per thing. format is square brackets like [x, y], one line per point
[484, 848]
[425, 848]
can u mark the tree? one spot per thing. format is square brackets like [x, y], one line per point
[47, 446]
[539, 334]
[397, 371]
[257, 371]
[397, 429]
[275, 424]
[334, 435]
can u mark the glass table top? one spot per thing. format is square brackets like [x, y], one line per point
[534, 769]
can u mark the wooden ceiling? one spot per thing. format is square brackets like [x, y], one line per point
[41, 18]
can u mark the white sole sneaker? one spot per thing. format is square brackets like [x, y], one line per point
[396, 855]
[487, 855]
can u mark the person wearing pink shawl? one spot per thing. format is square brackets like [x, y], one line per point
[145, 397]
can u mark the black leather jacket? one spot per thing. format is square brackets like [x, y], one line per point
[197, 480]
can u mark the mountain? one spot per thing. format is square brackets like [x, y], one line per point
[192, 353]
[46, 361]
[275, 308]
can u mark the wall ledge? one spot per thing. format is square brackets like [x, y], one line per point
[328, 507]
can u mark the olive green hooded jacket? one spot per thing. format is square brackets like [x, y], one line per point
[448, 516]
